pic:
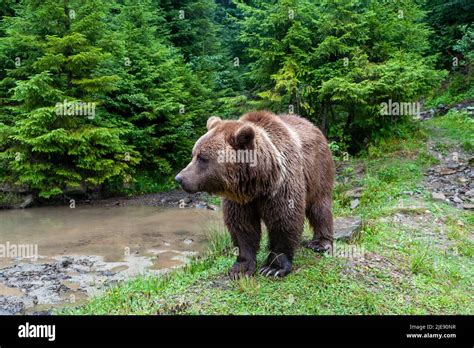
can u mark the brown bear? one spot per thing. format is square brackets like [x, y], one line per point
[271, 168]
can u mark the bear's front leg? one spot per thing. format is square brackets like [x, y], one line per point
[243, 223]
[284, 218]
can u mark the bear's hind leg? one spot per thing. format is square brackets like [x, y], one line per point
[320, 219]
[243, 223]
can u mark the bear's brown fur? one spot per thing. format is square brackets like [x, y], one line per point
[291, 177]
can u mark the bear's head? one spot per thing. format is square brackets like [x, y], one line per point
[223, 160]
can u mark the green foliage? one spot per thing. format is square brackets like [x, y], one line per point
[155, 70]
[457, 126]
[149, 103]
[460, 84]
[335, 61]
[449, 20]
[45, 148]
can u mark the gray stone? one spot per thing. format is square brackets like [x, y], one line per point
[6, 187]
[355, 203]
[347, 228]
[11, 305]
[470, 193]
[355, 192]
[446, 171]
[438, 196]
[188, 241]
[27, 201]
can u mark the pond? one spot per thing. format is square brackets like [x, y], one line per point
[52, 256]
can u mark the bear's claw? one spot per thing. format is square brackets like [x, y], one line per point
[275, 272]
[241, 269]
[277, 267]
[318, 246]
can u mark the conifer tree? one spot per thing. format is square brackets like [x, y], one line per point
[157, 92]
[335, 61]
[58, 135]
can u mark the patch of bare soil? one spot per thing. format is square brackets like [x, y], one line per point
[371, 267]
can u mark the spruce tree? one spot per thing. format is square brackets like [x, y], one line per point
[157, 92]
[335, 61]
[59, 135]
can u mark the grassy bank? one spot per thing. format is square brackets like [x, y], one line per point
[417, 253]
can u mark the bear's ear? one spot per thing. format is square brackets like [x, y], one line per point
[212, 122]
[244, 137]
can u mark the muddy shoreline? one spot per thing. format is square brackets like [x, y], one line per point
[83, 251]
[175, 198]
[167, 199]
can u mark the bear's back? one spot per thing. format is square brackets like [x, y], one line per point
[288, 130]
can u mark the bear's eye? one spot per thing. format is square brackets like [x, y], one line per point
[201, 159]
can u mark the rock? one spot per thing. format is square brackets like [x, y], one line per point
[456, 199]
[470, 193]
[67, 261]
[211, 207]
[355, 192]
[188, 241]
[347, 228]
[10, 305]
[186, 200]
[355, 203]
[454, 165]
[446, 171]
[27, 201]
[438, 196]
[468, 206]
[6, 187]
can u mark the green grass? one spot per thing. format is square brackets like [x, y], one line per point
[457, 88]
[405, 269]
[456, 127]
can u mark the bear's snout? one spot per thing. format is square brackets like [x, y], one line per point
[186, 184]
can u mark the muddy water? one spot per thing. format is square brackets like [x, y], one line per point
[81, 250]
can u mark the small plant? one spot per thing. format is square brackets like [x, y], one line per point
[219, 241]
[214, 200]
[421, 263]
[248, 285]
